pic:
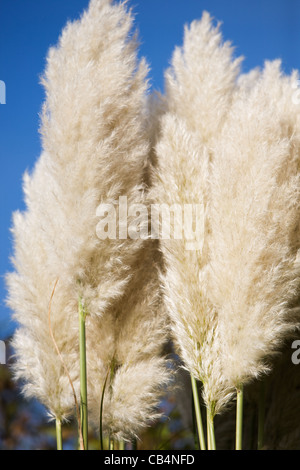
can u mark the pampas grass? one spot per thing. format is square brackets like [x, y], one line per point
[255, 225]
[95, 149]
[98, 313]
[198, 96]
[132, 337]
[255, 222]
[230, 144]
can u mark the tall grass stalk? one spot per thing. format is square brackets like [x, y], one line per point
[101, 412]
[59, 444]
[111, 444]
[198, 413]
[207, 430]
[195, 432]
[122, 445]
[212, 434]
[211, 441]
[239, 417]
[83, 374]
[67, 373]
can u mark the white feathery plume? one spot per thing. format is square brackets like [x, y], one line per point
[201, 79]
[135, 332]
[255, 221]
[199, 89]
[130, 342]
[94, 149]
[230, 144]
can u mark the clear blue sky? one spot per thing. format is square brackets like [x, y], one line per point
[260, 29]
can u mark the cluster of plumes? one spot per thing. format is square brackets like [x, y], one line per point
[96, 148]
[227, 143]
[231, 144]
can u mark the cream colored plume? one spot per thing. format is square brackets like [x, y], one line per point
[95, 149]
[129, 343]
[229, 144]
[255, 220]
[201, 79]
[199, 89]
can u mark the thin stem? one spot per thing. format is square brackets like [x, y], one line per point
[207, 430]
[212, 434]
[59, 443]
[122, 445]
[101, 412]
[239, 417]
[211, 441]
[261, 415]
[195, 432]
[83, 374]
[198, 413]
[111, 444]
[65, 368]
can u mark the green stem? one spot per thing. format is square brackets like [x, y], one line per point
[261, 415]
[195, 432]
[239, 417]
[122, 445]
[207, 429]
[59, 435]
[83, 374]
[101, 413]
[211, 441]
[111, 444]
[198, 413]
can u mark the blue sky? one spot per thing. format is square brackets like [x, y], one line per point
[259, 29]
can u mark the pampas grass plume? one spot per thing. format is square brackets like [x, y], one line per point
[199, 89]
[230, 143]
[95, 148]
